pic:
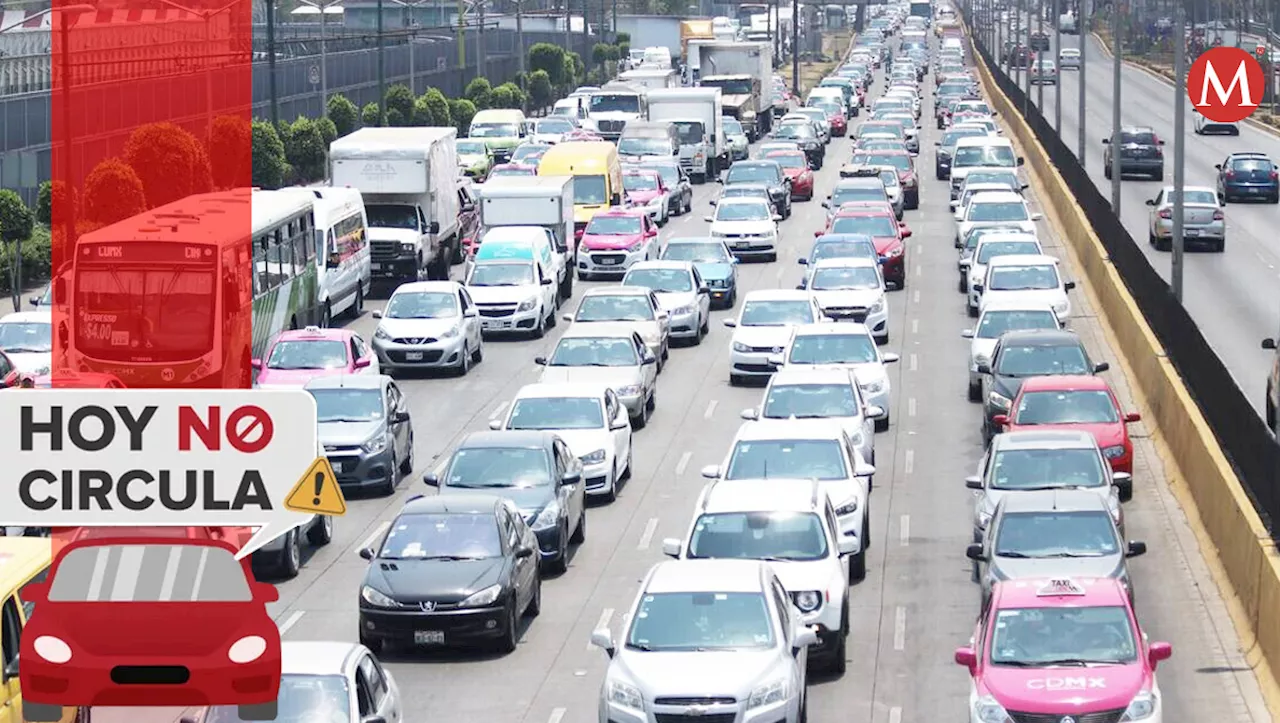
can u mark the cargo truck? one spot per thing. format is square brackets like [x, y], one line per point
[408, 178]
[1067, 24]
[544, 202]
[743, 72]
[611, 107]
[699, 123]
[652, 30]
[651, 78]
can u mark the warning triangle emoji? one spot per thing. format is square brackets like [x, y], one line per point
[317, 491]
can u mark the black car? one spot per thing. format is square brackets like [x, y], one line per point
[533, 469]
[768, 173]
[1141, 152]
[453, 570]
[1039, 41]
[1032, 353]
[803, 135]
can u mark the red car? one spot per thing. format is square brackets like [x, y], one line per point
[796, 167]
[839, 124]
[113, 626]
[512, 169]
[902, 162]
[875, 219]
[1075, 402]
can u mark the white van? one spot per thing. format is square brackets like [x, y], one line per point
[342, 251]
[513, 282]
[656, 57]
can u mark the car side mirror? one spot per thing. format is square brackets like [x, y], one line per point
[671, 547]
[567, 317]
[1269, 344]
[1159, 652]
[431, 479]
[777, 217]
[805, 262]
[1123, 482]
[1106, 141]
[730, 323]
[905, 230]
[34, 301]
[186, 720]
[967, 333]
[366, 553]
[1132, 417]
[1151, 202]
[710, 219]
[1136, 548]
[257, 363]
[1021, 161]
[711, 471]
[984, 368]
[376, 314]
[889, 358]
[826, 204]
[540, 361]
[967, 658]
[603, 639]
[704, 289]
[334, 261]
[1160, 142]
[547, 281]
[805, 637]
[974, 482]
[649, 358]
[875, 412]
[750, 414]
[495, 424]
[651, 233]
[622, 421]
[570, 478]
[400, 417]
[974, 552]
[958, 215]
[1000, 419]
[1101, 367]
[363, 362]
[1037, 216]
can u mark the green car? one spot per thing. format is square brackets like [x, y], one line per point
[737, 139]
[474, 158]
[502, 129]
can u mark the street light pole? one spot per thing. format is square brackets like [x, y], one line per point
[1179, 156]
[206, 16]
[271, 63]
[1040, 85]
[795, 48]
[382, 71]
[1083, 33]
[1115, 107]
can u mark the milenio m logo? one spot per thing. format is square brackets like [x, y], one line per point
[1226, 84]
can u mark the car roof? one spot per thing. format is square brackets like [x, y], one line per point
[1137, 129]
[1065, 383]
[1043, 439]
[597, 329]
[669, 264]
[420, 286]
[623, 211]
[731, 200]
[1027, 260]
[310, 333]
[789, 429]
[510, 439]
[616, 290]
[560, 390]
[777, 295]
[810, 375]
[1041, 337]
[1037, 593]
[1004, 195]
[718, 575]
[315, 657]
[463, 503]
[841, 329]
[348, 381]
[763, 495]
[846, 262]
[1057, 500]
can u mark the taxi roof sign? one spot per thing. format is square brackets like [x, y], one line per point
[1060, 586]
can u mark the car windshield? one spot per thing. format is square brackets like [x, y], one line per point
[640, 182]
[787, 536]
[1046, 469]
[615, 307]
[614, 225]
[984, 155]
[998, 211]
[554, 125]
[1039, 637]
[701, 621]
[556, 413]
[743, 212]
[152, 573]
[1023, 278]
[501, 274]
[832, 278]
[892, 129]
[818, 459]
[705, 252]
[660, 280]
[833, 349]
[615, 103]
[842, 196]
[471, 148]
[1092, 406]
[950, 138]
[1040, 360]
[26, 337]
[348, 405]
[669, 174]
[589, 190]
[996, 322]
[992, 249]
[1141, 138]
[753, 173]
[733, 128]
[689, 132]
[320, 698]
[317, 354]
[422, 305]
[811, 401]
[789, 160]
[1056, 534]
[1198, 198]
[830, 107]
[865, 225]
[605, 351]
[843, 250]
[496, 467]
[776, 312]
[494, 130]
[893, 160]
[745, 191]
[795, 131]
[443, 536]
[1004, 178]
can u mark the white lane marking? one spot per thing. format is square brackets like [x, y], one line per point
[919, 270]
[606, 616]
[915, 326]
[711, 409]
[913, 361]
[556, 716]
[915, 297]
[911, 407]
[373, 537]
[895, 714]
[909, 463]
[900, 628]
[291, 621]
[919, 248]
[498, 410]
[647, 536]
[683, 463]
[904, 531]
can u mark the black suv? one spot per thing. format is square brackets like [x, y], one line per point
[1039, 41]
[1140, 152]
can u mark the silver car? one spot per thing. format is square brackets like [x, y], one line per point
[1053, 534]
[1203, 221]
[364, 425]
[822, 393]
[611, 354]
[630, 305]
[429, 325]
[681, 292]
[996, 319]
[1044, 72]
[720, 637]
[1069, 59]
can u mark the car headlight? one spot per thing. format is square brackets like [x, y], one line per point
[1143, 705]
[595, 457]
[635, 247]
[985, 512]
[807, 601]
[741, 348]
[874, 386]
[528, 304]
[894, 252]
[877, 307]
[681, 311]
[1060, 307]
[630, 390]
[655, 202]
[247, 649]
[1114, 452]
[487, 596]
[775, 691]
[623, 694]
[450, 333]
[375, 445]
[999, 401]
[987, 710]
[54, 650]
[546, 519]
[856, 438]
[381, 333]
[848, 507]
[376, 598]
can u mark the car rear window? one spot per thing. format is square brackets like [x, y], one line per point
[1145, 138]
[1251, 164]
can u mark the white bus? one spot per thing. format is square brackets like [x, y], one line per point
[343, 259]
[286, 276]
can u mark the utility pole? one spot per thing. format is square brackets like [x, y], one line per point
[520, 50]
[1040, 85]
[1084, 34]
[795, 47]
[1026, 43]
[1057, 84]
[382, 71]
[1179, 156]
[271, 63]
[482, 52]
[568, 27]
[1115, 107]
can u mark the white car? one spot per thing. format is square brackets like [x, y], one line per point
[989, 247]
[26, 337]
[763, 328]
[851, 289]
[514, 295]
[1026, 279]
[814, 449]
[1000, 208]
[848, 346]
[628, 305]
[791, 523]
[589, 418]
[1069, 59]
[551, 130]
[821, 393]
[428, 325]
[609, 354]
[971, 189]
[996, 319]
[1204, 126]
[910, 130]
[747, 225]
[694, 617]
[819, 117]
[681, 292]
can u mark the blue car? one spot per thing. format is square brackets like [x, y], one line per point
[718, 267]
[1248, 176]
[840, 246]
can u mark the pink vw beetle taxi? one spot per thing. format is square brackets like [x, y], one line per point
[297, 356]
[1064, 650]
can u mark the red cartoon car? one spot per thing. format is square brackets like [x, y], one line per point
[147, 621]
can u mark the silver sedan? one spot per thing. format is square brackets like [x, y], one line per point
[1203, 222]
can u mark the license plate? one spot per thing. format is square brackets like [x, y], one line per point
[376, 267]
[1255, 190]
[610, 262]
[1189, 232]
[388, 273]
[496, 325]
[428, 637]
[413, 356]
[741, 244]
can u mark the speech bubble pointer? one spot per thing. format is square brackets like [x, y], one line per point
[269, 532]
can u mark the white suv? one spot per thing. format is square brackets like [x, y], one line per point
[800, 392]
[792, 524]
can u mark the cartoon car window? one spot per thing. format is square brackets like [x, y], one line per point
[150, 573]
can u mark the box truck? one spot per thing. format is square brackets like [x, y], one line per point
[409, 180]
[704, 151]
[542, 202]
[743, 71]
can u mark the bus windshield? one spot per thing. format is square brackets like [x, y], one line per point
[144, 313]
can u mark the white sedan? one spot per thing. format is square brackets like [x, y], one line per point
[26, 337]
[1205, 126]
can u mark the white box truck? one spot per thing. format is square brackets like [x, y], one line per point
[545, 202]
[699, 123]
[409, 180]
[743, 72]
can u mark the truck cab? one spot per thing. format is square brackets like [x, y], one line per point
[741, 95]
[649, 141]
[613, 107]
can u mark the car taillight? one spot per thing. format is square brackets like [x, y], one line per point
[1274, 175]
[1232, 174]
[1219, 216]
[1166, 213]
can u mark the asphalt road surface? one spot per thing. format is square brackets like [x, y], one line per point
[916, 604]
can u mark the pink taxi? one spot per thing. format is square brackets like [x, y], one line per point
[296, 357]
[1062, 649]
[614, 240]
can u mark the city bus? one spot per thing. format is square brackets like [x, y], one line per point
[167, 299]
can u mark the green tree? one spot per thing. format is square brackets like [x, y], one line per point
[400, 99]
[432, 109]
[269, 165]
[328, 130]
[44, 202]
[170, 161]
[16, 224]
[394, 119]
[548, 57]
[621, 38]
[113, 191]
[568, 72]
[305, 150]
[479, 91]
[579, 67]
[541, 91]
[369, 115]
[344, 114]
[508, 95]
[231, 151]
[600, 54]
[461, 111]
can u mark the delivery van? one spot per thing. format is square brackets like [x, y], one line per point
[502, 129]
[596, 173]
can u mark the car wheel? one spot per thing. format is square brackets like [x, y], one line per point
[882, 424]
[858, 567]
[357, 308]
[477, 355]
[464, 361]
[1271, 411]
[963, 286]
[511, 633]
[580, 533]
[837, 665]
[540, 330]
[1106, 169]
[407, 465]
[260, 711]
[321, 533]
[611, 493]
[291, 556]
[706, 326]
[975, 392]
[41, 712]
[560, 563]
[652, 402]
[535, 600]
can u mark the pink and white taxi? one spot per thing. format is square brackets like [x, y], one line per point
[1062, 651]
[297, 356]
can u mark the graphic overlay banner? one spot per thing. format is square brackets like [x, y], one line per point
[76, 458]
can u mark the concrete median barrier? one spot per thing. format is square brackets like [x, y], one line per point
[1220, 510]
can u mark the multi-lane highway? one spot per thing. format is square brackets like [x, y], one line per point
[917, 603]
[1232, 295]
